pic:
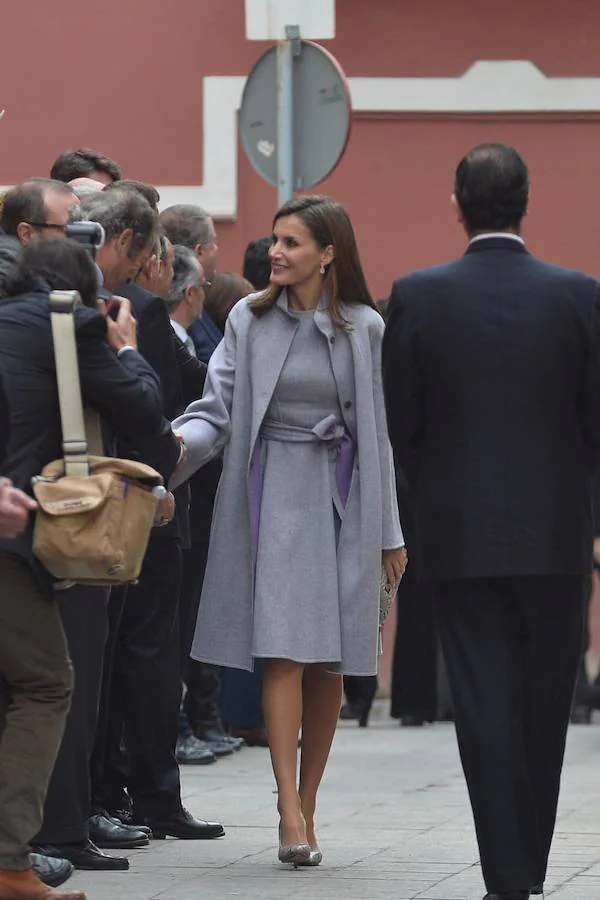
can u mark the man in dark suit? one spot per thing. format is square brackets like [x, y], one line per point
[491, 377]
[143, 674]
[34, 660]
[67, 832]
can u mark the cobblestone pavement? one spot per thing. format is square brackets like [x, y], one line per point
[394, 825]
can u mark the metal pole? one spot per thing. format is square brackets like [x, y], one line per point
[285, 114]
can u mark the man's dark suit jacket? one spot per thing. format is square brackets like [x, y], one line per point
[203, 484]
[173, 365]
[491, 376]
[124, 391]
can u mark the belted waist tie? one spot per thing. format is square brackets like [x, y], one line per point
[327, 431]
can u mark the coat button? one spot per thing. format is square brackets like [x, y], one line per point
[332, 340]
[347, 404]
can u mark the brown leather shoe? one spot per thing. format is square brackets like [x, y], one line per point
[27, 886]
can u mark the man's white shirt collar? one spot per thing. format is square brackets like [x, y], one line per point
[179, 331]
[498, 234]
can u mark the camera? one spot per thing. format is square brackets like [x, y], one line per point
[89, 234]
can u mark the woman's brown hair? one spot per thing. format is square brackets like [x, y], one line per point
[344, 279]
[225, 290]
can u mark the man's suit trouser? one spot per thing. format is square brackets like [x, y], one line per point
[147, 676]
[36, 681]
[202, 681]
[414, 671]
[83, 611]
[512, 648]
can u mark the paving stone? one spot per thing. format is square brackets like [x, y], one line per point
[394, 824]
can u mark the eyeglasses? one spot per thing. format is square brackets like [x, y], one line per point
[47, 225]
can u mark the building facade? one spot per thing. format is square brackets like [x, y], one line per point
[158, 88]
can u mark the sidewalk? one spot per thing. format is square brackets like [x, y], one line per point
[394, 825]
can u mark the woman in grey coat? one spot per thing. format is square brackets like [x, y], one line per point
[306, 510]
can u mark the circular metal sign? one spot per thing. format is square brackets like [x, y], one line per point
[322, 115]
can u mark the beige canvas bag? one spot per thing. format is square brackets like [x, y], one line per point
[94, 513]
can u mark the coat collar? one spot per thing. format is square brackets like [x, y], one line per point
[322, 317]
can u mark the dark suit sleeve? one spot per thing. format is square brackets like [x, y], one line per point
[4, 421]
[402, 385]
[126, 393]
[592, 400]
[155, 343]
[192, 373]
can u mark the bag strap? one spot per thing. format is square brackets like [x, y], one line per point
[75, 445]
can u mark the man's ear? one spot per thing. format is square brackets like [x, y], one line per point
[125, 239]
[188, 295]
[25, 233]
[457, 209]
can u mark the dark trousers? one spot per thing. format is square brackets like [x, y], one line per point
[109, 768]
[414, 671]
[145, 676]
[83, 611]
[512, 648]
[202, 681]
[36, 681]
[240, 703]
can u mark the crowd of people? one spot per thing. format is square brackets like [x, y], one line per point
[296, 430]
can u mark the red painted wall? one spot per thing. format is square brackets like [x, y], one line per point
[126, 78]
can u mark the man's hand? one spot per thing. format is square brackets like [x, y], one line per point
[165, 510]
[394, 563]
[15, 507]
[122, 331]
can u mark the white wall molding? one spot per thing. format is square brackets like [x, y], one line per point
[502, 86]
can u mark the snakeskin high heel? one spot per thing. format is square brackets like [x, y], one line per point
[294, 854]
[315, 859]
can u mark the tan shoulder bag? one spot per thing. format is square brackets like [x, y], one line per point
[94, 513]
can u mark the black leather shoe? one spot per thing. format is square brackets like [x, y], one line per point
[84, 855]
[512, 895]
[253, 737]
[112, 834]
[183, 825]
[116, 821]
[125, 817]
[411, 722]
[220, 743]
[50, 870]
[190, 751]
[348, 712]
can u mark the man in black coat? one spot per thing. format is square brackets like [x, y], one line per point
[491, 376]
[34, 660]
[142, 686]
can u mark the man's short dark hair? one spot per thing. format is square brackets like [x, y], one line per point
[56, 263]
[257, 265]
[82, 163]
[26, 202]
[186, 225]
[148, 191]
[491, 186]
[117, 211]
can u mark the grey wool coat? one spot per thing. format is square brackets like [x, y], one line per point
[242, 375]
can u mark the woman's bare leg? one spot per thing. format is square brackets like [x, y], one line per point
[282, 707]
[322, 699]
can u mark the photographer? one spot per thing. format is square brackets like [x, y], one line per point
[34, 659]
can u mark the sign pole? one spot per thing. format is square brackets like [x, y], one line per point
[286, 50]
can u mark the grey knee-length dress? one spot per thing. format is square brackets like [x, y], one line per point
[296, 612]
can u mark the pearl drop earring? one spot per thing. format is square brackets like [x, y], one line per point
[322, 270]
